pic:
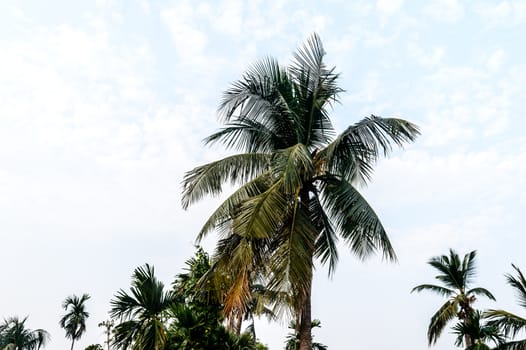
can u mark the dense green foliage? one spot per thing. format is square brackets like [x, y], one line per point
[297, 180]
[186, 317]
[15, 336]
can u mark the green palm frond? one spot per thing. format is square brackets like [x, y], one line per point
[222, 216]
[326, 243]
[468, 267]
[247, 135]
[291, 262]
[208, 179]
[510, 323]
[354, 152]
[262, 215]
[316, 90]
[439, 320]
[437, 289]
[519, 284]
[481, 291]
[512, 345]
[354, 219]
[293, 167]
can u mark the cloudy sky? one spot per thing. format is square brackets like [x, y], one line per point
[103, 106]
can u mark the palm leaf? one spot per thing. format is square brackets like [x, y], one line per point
[437, 289]
[481, 291]
[446, 313]
[326, 243]
[353, 153]
[355, 219]
[222, 216]
[209, 178]
[510, 323]
[291, 262]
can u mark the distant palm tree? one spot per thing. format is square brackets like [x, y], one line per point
[293, 338]
[456, 277]
[478, 333]
[512, 324]
[74, 321]
[141, 312]
[15, 336]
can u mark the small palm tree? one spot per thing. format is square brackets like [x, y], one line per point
[293, 338]
[510, 323]
[456, 276]
[141, 312]
[74, 321]
[478, 333]
[15, 336]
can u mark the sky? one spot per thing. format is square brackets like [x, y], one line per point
[104, 105]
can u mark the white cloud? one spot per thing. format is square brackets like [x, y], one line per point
[445, 10]
[388, 7]
[503, 13]
[190, 42]
[426, 58]
[496, 59]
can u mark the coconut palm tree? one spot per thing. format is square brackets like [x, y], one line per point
[74, 321]
[456, 277]
[297, 180]
[478, 333]
[292, 342]
[15, 336]
[512, 324]
[141, 312]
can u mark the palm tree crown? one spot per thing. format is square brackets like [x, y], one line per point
[456, 277]
[141, 312]
[297, 180]
[478, 332]
[510, 323]
[15, 336]
[74, 321]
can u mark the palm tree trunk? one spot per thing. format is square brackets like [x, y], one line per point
[72, 342]
[305, 328]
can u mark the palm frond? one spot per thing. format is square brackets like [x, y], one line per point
[291, 262]
[262, 215]
[519, 284]
[510, 323]
[481, 291]
[468, 267]
[439, 320]
[326, 243]
[353, 153]
[354, 219]
[209, 178]
[222, 216]
[294, 166]
[437, 289]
